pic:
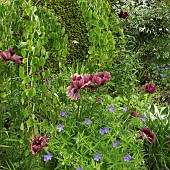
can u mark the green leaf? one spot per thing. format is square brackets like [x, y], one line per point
[31, 92]
[43, 88]
[3, 95]
[30, 123]
[22, 126]
[41, 61]
[25, 112]
[95, 15]
[32, 70]
[23, 52]
[27, 79]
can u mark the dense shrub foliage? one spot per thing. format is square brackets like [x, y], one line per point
[70, 16]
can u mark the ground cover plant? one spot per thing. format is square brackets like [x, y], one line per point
[105, 111]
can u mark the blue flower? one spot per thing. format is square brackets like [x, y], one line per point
[106, 130]
[79, 168]
[115, 144]
[161, 75]
[88, 121]
[102, 131]
[63, 113]
[48, 157]
[125, 108]
[60, 127]
[166, 69]
[143, 118]
[127, 158]
[97, 157]
[153, 76]
[157, 68]
[111, 109]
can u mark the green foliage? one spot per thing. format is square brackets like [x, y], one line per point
[98, 22]
[32, 97]
[70, 15]
[157, 155]
[26, 88]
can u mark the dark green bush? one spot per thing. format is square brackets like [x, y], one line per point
[70, 15]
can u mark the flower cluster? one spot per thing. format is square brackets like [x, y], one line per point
[89, 81]
[37, 143]
[10, 55]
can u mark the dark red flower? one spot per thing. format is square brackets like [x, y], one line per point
[135, 114]
[17, 59]
[10, 55]
[147, 134]
[123, 14]
[101, 78]
[38, 143]
[150, 88]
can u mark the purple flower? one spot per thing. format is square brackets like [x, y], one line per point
[127, 158]
[115, 144]
[106, 130]
[102, 131]
[60, 127]
[143, 118]
[124, 108]
[48, 157]
[88, 121]
[79, 168]
[63, 113]
[111, 109]
[97, 157]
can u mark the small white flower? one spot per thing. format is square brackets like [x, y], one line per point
[75, 42]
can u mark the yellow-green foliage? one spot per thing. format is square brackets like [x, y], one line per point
[70, 15]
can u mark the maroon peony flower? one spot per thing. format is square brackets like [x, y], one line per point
[150, 88]
[38, 143]
[101, 78]
[135, 114]
[123, 14]
[9, 55]
[147, 134]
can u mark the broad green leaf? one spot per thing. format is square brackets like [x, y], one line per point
[41, 61]
[23, 52]
[30, 123]
[3, 95]
[27, 79]
[31, 92]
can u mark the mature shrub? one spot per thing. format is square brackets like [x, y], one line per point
[70, 15]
